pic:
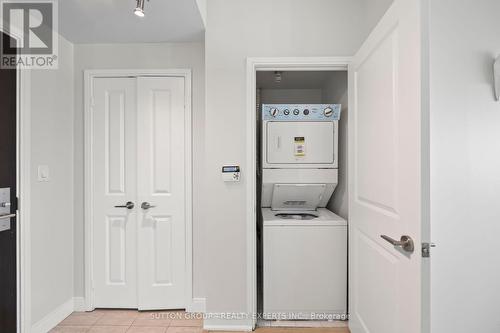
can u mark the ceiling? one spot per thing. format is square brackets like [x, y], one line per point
[296, 79]
[113, 21]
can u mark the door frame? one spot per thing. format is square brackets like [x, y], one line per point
[23, 180]
[268, 64]
[89, 77]
[24, 195]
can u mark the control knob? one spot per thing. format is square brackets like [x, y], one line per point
[286, 112]
[296, 112]
[273, 112]
[328, 111]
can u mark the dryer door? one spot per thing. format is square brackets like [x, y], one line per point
[306, 142]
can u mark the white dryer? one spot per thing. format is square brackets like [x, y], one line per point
[299, 147]
[304, 244]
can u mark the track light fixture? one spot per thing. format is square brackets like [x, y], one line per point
[139, 9]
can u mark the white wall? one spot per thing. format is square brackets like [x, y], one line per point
[465, 165]
[238, 29]
[202, 7]
[142, 56]
[52, 201]
[373, 10]
[290, 96]
[335, 91]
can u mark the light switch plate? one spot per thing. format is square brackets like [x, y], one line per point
[43, 173]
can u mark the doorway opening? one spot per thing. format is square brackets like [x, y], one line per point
[15, 175]
[307, 86]
[9, 226]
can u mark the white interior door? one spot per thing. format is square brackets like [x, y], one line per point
[162, 175]
[385, 175]
[114, 183]
[138, 147]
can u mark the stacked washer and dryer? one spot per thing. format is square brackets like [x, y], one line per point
[304, 244]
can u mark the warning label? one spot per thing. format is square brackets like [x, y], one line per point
[300, 146]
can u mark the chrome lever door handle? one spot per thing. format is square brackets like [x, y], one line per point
[405, 242]
[128, 205]
[146, 205]
[7, 216]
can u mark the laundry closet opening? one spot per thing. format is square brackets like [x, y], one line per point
[301, 197]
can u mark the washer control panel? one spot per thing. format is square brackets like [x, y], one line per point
[301, 112]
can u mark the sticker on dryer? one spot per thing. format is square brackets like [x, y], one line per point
[300, 146]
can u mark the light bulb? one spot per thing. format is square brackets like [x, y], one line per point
[139, 12]
[139, 9]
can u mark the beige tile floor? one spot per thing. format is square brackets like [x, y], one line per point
[131, 321]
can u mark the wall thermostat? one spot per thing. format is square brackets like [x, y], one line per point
[231, 173]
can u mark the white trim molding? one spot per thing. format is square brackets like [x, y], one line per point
[51, 320]
[268, 64]
[79, 304]
[218, 324]
[198, 305]
[89, 77]
[24, 195]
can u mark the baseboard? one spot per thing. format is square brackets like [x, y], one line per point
[53, 318]
[217, 324]
[197, 305]
[79, 304]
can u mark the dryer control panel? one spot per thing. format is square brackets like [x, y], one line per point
[301, 112]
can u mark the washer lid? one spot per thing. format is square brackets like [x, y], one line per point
[325, 218]
[297, 196]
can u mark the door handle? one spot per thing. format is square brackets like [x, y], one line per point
[7, 216]
[128, 205]
[146, 205]
[405, 242]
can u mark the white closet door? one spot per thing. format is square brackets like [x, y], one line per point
[385, 189]
[114, 158]
[161, 183]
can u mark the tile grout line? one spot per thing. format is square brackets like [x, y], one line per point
[133, 321]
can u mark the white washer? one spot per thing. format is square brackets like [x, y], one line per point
[305, 264]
